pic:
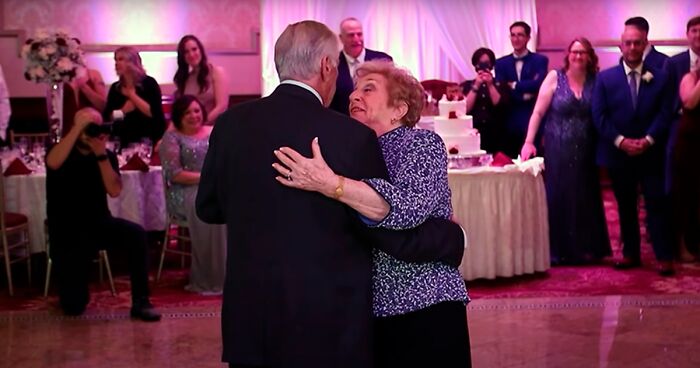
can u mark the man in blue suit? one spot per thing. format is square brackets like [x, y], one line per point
[524, 72]
[353, 54]
[631, 110]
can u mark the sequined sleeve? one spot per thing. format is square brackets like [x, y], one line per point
[419, 182]
[169, 152]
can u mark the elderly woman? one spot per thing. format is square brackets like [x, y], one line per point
[577, 227]
[182, 152]
[134, 101]
[419, 308]
[196, 76]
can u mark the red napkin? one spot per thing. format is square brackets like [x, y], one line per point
[155, 159]
[135, 163]
[500, 159]
[17, 167]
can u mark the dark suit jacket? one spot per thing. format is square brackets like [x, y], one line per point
[344, 84]
[677, 66]
[613, 114]
[531, 77]
[655, 59]
[299, 265]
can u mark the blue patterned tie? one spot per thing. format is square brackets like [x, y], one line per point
[633, 88]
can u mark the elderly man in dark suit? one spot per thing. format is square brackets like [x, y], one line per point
[299, 267]
[353, 54]
[524, 72]
[631, 108]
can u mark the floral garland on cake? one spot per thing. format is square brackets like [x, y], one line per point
[52, 57]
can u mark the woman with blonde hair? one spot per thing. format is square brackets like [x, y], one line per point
[134, 101]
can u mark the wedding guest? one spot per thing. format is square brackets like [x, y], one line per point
[419, 308]
[134, 101]
[353, 54]
[87, 89]
[577, 228]
[5, 109]
[650, 56]
[678, 66]
[686, 183]
[198, 77]
[299, 263]
[486, 100]
[631, 110]
[523, 71]
[80, 173]
[182, 153]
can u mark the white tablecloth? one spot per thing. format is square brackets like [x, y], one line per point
[142, 201]
[504, 213]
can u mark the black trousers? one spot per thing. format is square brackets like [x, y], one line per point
[435, 336]
[74, 248]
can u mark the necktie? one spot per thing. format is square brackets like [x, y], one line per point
[633, 88]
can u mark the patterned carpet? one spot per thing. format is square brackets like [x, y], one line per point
[557, 282]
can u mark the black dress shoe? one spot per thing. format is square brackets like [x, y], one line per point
[627, 263]
[145, 312]
[666, 269]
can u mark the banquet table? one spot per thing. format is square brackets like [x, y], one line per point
[504, 213]
[142, 200]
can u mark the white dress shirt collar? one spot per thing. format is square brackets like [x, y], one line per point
[693, 58]
[304, 86]
[638, 69]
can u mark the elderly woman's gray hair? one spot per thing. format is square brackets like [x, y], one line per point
[401, 87]
[301, 46]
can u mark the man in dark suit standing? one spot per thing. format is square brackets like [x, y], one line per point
[353, 54]
[524, 72]
[299, 264]
[631, 108]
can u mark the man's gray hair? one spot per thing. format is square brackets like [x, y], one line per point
[300, 48]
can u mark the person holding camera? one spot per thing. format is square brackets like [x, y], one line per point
[80, 172]
[486, 98]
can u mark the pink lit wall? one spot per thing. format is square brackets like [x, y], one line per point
[602, 21]
[228, 29]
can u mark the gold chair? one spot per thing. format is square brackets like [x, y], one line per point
[178, 231]
[14, 228]
[31, 138]
[102, 260]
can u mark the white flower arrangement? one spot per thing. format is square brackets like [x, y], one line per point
[52, 57]
[647, 76]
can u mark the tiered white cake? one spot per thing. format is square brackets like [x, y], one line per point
[456, 128]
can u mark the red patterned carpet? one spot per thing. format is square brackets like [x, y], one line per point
[558, 281]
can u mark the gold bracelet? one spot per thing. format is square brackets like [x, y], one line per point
[339, 188]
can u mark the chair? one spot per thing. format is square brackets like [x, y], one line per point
[31, 138]
[177, 230]
[102, 260]
[14, 228]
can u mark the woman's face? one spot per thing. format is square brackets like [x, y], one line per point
[578, 56]
[121, 64]
[193, 117]
[193, 54]
[369, 102]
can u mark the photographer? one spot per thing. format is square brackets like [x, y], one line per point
[79, 174]
[486, 99]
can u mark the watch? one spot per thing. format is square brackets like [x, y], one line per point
[101, 157]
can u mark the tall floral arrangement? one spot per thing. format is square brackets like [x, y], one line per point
[52, 57]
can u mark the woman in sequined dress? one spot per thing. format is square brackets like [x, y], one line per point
[419, 309]
[182, 154]
[577, 227]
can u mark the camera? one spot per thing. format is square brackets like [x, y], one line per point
[95, 130]
[483, 66]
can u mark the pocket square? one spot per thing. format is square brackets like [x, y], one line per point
[17, 167]
[135, 163]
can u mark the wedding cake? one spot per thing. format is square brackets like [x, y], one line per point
[456, 128]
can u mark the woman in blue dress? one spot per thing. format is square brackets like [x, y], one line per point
[577, 227]
[419, 309]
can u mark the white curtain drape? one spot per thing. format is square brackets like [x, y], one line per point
[431, 39]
